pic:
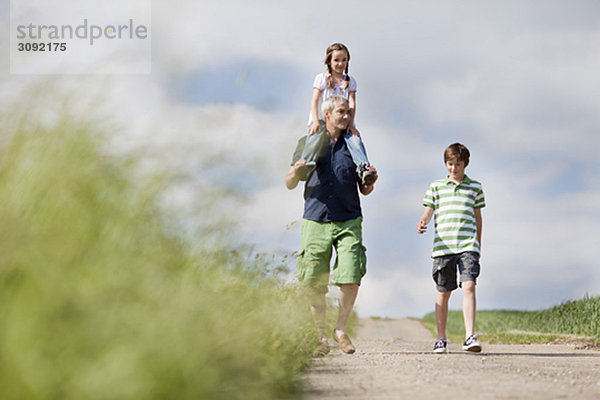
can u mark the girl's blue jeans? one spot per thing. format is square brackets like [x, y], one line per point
[315, 143]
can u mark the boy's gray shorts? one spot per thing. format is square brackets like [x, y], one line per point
[444, 270]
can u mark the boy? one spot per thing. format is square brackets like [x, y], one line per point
[455, 203]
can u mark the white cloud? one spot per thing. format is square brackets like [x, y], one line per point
[516, 82]
[399, 291]
[272, 218]
[205, 34]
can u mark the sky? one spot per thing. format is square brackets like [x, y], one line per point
[229, 93]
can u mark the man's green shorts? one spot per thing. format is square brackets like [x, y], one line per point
[318, 240]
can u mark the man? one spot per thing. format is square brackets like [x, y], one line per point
[332, 219]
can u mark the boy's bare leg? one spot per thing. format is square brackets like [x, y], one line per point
[441, 312]
[348, 295]
[469, 307]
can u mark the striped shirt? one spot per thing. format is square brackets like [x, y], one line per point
[454, 216]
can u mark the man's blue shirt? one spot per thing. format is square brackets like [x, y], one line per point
[331, 191]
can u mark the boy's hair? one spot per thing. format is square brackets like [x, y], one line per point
[328, 55]
[457, 151]
[330, 102]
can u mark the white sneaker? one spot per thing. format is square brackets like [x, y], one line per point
[367, 177]
[472, 344]
[440, 346]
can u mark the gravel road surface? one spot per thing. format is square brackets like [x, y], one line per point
[393, 360]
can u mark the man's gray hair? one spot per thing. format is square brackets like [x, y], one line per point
[330, 102]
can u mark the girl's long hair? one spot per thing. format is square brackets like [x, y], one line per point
[328, 55]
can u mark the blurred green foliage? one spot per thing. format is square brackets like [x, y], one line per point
[99, 300]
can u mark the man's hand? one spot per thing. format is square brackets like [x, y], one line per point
[372, 169]
[292, 179]
[298, 163]
[367, 189]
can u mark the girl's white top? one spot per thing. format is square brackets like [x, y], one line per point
[338, 89]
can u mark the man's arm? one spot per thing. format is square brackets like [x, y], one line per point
[291, 179]
[366, 190]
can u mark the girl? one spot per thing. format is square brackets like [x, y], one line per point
[335, 82]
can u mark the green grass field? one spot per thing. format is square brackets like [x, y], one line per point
[577, 321]
[100, 300]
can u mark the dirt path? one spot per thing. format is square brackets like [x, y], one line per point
[394, 361]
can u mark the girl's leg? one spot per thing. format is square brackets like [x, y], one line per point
[357, 150]
[359, 156]
[313, 145]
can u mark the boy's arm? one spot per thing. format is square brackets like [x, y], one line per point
[479, 224]
[425, 218]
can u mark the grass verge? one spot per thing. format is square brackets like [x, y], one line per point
[99, 300]
[575, 321]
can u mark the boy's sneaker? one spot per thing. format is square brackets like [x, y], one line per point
[472, 344]
[440, 346]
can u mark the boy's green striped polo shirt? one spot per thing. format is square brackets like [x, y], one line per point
[454, 217]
